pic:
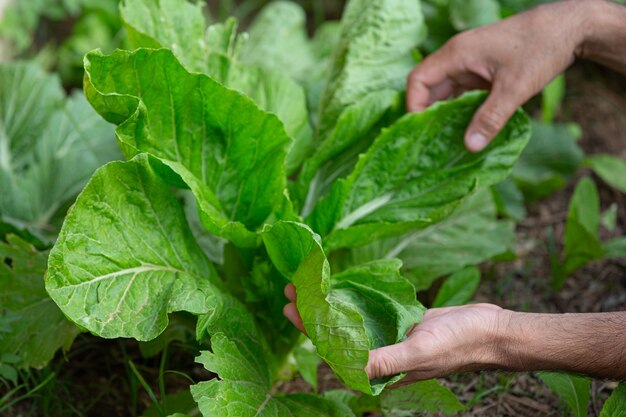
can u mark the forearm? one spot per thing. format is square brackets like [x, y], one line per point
[592, 344]
[604, 40]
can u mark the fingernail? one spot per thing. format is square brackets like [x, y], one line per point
[476, 142]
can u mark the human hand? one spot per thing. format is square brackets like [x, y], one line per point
[514, 58]
[447, 341]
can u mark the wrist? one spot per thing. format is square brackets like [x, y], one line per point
[597, 20]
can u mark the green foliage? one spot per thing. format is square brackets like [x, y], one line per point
[471, 235]
[551, 98]
[610, 169]
[574, 390]
[549, 161]
[614, 406]
[582, 232]
[425, 396]
[49, 148]
[458, 288]
[32, 328]
[243, 173]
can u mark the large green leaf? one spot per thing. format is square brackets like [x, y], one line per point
[220, 136]
[342, 313]
[612, 170]
[180, 26]
[614, 406]
[31, 326]
[415, 174]
[374, 54]
[549, 161]
[471, 235]
[582, 239]
[424, 396]
[244, 365]
[48, 147]
[125, 256]
[574, 390]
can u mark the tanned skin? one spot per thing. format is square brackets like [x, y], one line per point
[514, 59]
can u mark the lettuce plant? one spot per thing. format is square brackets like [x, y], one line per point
[245, 170]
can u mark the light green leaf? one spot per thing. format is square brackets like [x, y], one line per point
[415, 174]
[614, 406]
[374, 54]
[458, 288]
[48, 148]
[125, 257]
[342, 313]
[471, 235]
[611, 169]
[278, 41]
[175, 24]
[424, 396]
[551, 98]
[215, 55]
[244, 365]
[549, 161]
[582, 240]
[32, 328]
[469, 14]
[616, 248]
[574, 390]
[189, 118]
[174, 405]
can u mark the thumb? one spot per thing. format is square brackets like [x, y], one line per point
[387, 361]
[491, 117]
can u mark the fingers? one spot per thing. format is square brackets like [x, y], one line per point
[388, 360]
[432, 74]
[291, 312]
[491, 117]
[290, 292]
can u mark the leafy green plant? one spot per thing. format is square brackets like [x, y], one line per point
[230, 133]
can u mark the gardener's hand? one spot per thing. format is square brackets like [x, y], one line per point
[449, 340]
[515, 59]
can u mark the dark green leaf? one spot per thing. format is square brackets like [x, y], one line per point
[614, 406]
[32, 328]
[551, 159]
[612, 170]
[458, 288]
[425, 396]
[582, 240]
[574, 390]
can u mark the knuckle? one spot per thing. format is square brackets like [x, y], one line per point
[491, 120]
[382, 364]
